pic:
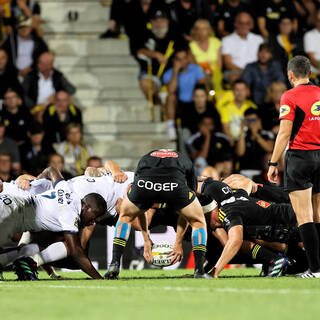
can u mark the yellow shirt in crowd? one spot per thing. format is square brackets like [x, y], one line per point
[231, 114]
[208, 60]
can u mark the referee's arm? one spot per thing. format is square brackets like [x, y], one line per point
[280, 145]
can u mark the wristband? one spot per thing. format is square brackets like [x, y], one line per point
[274, 164]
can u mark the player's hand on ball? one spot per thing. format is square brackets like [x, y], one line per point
[273, 174]
[147, 253]
[120, 177]
[177, 253]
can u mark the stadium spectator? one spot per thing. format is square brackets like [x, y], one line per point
[33, 153]
[206, 49]
[153, 51]
[200, 107]
[74, 150]
[184, 13]
[269, 111]
[240, 47]
[5, 21]
[208, 147]
[253, 143]
[58, 116]
[227, 12]
[10, 146]
[16, 117]
[24, 47]
[286, 44]
[95, 162]
[306, 10]
[181, 81]
[116, 17]
[6, 173]
[311, 42]
[8, 76]
[232, 110]
[259, 75]
[30, 9]
[270, 12]
[57, 160]
[137, 17]
[40, 85]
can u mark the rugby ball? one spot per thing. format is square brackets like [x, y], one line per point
[160, 253]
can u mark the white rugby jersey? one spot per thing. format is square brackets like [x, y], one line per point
[105, 186]
[56, 210]
[36, 186]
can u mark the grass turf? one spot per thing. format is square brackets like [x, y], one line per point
[156, 294]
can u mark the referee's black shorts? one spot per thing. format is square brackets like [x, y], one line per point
[302, 170]
[147, 190]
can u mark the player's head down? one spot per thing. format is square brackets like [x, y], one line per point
[93, 207]
[216, 190]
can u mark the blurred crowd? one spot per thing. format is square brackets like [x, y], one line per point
[39, 124]
[217, 70]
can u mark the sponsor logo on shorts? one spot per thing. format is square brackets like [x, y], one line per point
[315, 109]
[157, 186]
[164, 154]
[264, 204]
[284, 110]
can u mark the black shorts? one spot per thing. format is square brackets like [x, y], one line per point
[302, 170]
[147, 190]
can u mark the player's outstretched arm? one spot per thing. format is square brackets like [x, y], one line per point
[238, 181]
[147, 252]
[23, 181]
[51, 173]
[117, 174]
[233, 245]
[177, 252]
[79, 256]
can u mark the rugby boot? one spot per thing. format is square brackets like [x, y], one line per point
[26, 269]
[202, 276]
[276, 267]
[113, 272]
[309, 274]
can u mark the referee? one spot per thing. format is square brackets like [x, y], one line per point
[300, 126]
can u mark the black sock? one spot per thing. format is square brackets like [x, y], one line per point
[118, 249]
[262, 254]
[199, 253]
[318, 228]
[310, 239]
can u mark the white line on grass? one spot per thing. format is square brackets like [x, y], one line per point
[167, 288]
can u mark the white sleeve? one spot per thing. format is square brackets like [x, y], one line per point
[40, 185]
[309, 46]
[226, 47]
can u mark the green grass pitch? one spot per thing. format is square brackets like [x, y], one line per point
[158, 294]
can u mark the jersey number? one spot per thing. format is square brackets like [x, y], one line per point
[5, 200]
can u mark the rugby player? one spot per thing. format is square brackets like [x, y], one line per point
[247, 218]
[111, 188]
[162, 176]
[57, 210]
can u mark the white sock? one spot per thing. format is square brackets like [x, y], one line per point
[170, 123]
[25, 238]
[54, 252]
[25, 251]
